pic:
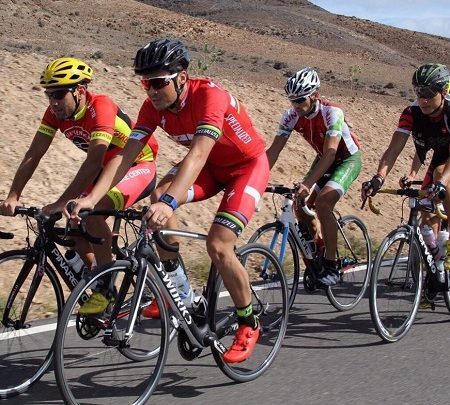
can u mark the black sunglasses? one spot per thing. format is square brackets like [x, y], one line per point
[58, 94]
[426, 92]
[299, 100]
[157, 83]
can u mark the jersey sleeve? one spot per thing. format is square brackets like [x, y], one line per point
[49, 124]
[146, 123]
[104, 113]
[406, 121]
[334, 121]
[210, 111]
[287, 123]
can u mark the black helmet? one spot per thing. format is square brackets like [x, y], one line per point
[432, 75]
[162, 54]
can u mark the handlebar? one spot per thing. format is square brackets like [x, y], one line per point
[407, 192]
[128, 215]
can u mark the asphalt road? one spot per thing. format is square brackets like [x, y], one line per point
[327, 357]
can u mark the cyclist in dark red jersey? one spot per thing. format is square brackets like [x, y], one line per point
[225, 153]
[337, 164]
[427, 120]
[96, 125]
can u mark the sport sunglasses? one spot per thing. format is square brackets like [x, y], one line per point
[299, 100]
[58, 94]
[157, 83]
[426, 92]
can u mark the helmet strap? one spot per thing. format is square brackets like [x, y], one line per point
[179, 90]
[439, 107]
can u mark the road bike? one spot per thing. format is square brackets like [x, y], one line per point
[291, 241]
[32, 297]
[90, 370]
[399, 265]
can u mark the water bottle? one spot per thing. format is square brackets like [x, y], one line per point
[430, 241]
[74, 260]
[441, 242]
[180, 280]
[447, 257]
[305, 236]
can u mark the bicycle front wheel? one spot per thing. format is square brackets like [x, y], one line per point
[30, 303]
[354, 256]
[396, 283]
[272, 236]
[95, 361]
[270, 306]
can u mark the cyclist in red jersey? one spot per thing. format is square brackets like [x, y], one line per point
[427, 121]
[225, 153]
[96, 125]
[337, 164]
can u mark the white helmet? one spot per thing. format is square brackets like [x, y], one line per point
[302, 84]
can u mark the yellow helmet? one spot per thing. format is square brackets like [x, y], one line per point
[65, 72]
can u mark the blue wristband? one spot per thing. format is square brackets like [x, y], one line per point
[169, 200]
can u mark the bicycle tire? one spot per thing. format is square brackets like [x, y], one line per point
[99, 369]
[270, 305]
[396, 284]
[447, 299]
[26, 351]
[354, 251]
[272, 233]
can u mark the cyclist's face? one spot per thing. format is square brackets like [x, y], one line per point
[428, 105]
[305, 107]
[62, 102]
[160, 88]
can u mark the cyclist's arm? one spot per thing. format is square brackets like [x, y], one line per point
[88, 171]
[274, 150]
[326, 160]
[398, 142]
[415, 166]
[115, 170]
[30, 162]
[190, 167]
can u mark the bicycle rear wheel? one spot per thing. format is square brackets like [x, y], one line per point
[396, 284]
[92, 366]
[354, 255]
[271, 236]
[28, 319]
[270, 305]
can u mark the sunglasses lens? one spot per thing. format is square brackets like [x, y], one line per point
[300, 100]
[425, 92]
[57, 95]
[155, 84]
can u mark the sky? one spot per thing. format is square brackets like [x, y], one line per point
[432, 17]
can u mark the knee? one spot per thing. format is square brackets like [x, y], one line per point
[323, 206]
[217, 250]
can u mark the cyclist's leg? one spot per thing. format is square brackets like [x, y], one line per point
[342, 176]
[245, 185]
[138, 183]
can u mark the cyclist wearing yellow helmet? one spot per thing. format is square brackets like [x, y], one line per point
[96, 125]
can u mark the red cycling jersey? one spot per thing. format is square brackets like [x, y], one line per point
[100, 118]
[326, 120]
[237, 162]
[215, 113]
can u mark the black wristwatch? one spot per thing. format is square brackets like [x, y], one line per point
[169, 200]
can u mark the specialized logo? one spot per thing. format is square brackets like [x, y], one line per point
[428, 255]
[237, 128]
[174, 293]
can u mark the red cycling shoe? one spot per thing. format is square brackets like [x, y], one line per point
[152, 311]
[243, 344]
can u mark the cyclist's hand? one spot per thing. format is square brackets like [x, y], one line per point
[405, 181]
[8, 207]
[158, 214]
[76, 206]
[303, 190]
[437, 191]
[371, 187]
[54, 207]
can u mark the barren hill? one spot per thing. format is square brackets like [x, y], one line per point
[250, 47]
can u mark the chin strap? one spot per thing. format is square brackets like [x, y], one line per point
[439, 107]
[179, 90]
